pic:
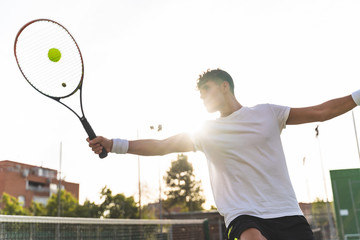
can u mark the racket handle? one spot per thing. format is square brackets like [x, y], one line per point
[92, 134]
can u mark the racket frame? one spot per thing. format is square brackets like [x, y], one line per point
[82, 118]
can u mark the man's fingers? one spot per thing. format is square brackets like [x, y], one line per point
[95, 141]
[97, 148]
[97, 144]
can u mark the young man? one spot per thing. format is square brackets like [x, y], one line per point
[246, 162]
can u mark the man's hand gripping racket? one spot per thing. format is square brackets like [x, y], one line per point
[51, 61]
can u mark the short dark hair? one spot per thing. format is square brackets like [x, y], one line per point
[216, 75]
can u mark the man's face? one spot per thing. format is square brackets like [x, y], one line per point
[212, 95]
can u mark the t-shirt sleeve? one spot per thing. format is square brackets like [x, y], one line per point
[281, 113]
[198, 137]
[196, 141]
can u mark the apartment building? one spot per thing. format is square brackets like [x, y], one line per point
[31, 183]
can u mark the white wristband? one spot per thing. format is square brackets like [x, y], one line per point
[356, 97]
[120, 146]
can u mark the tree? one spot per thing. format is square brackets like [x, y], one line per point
[183, 190]
[89, 210]
[320, 212]
[68, 205]
[37, 209]
[118, 206]
[11, 206]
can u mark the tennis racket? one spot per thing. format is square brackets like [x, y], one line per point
[51, 62]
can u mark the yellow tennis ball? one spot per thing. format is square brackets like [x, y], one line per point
[54, 54]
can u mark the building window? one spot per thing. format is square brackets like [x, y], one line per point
[42, 200]
[53, 188]
[21, 200]
[37, 186]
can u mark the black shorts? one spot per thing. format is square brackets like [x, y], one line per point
[283, 228]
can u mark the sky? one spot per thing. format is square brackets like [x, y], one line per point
[142, 59]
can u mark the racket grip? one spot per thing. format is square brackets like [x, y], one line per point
[92, 134]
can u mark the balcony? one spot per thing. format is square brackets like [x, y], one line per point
[37, 186]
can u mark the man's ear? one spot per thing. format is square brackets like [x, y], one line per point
[225, 86]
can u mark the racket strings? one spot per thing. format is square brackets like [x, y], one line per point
[53, 78]
[41, 82]
[48, 80]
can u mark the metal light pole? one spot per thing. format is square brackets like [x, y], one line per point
[307, 180]
[356, 136]
[331, 223]
[140, 213]
[159, 128]
[59, 182]
[59, 195]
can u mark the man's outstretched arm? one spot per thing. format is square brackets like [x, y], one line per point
[324, 111]
[146, 147]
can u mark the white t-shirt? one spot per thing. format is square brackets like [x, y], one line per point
[246, 162]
